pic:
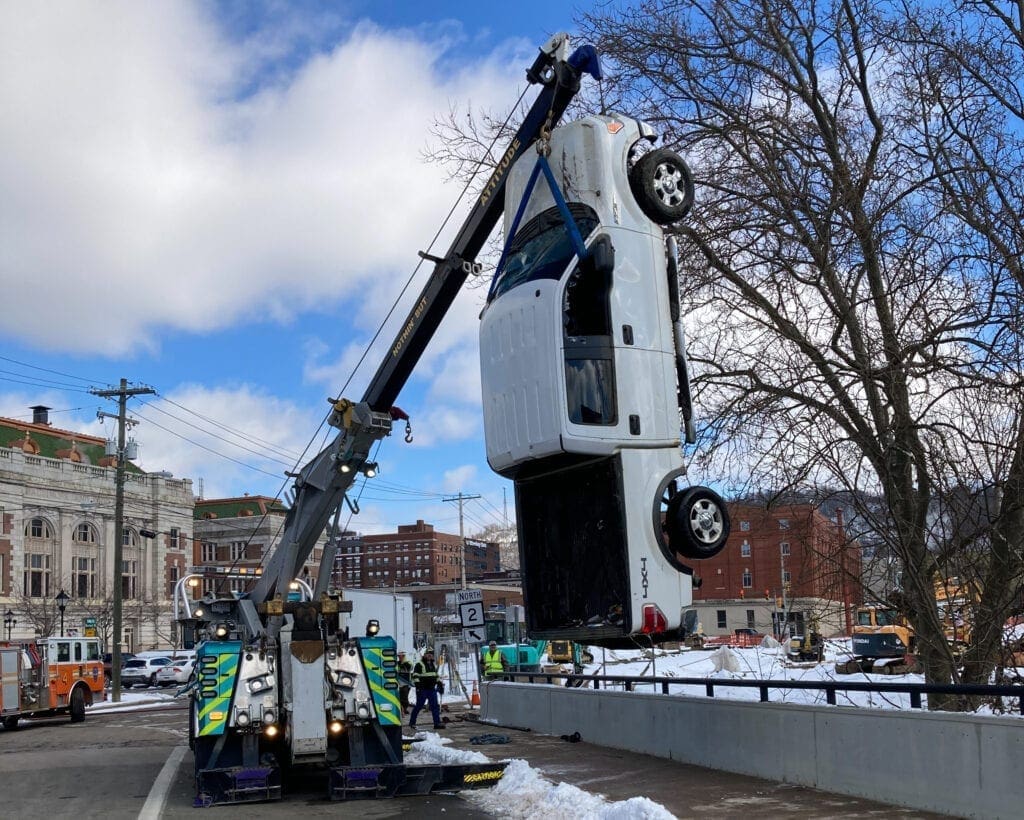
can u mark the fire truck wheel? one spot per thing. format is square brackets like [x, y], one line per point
[77, 705]
[662, 185]
[10, 723]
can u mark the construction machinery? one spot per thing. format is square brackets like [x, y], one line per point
[569, 652]
[882, 643]
[285, 683]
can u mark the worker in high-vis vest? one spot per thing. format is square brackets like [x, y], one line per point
[494, 662]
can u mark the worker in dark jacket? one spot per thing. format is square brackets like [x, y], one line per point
[404, 682]
[428, 685]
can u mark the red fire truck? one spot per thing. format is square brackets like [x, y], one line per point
[49, 676]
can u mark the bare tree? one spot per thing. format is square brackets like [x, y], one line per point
[844, 309]
[851, 271]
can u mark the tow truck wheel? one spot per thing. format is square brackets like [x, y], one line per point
[77, 705]
[697, 523]
[663, 186]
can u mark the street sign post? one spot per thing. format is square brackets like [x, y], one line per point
[471, 615]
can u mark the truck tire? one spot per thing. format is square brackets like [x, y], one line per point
[697, 523]
[662, 186]
[11, 723]
[77, 706]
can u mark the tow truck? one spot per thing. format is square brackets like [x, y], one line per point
[282, 684]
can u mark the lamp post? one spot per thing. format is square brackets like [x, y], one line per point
[62, 604]
[9, 622]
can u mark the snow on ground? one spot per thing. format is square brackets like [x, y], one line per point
[135, 699]
[753, 663]
[523, 793]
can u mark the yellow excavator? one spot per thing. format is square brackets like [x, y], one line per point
[882, 642]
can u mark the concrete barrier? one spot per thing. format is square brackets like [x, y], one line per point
[945, 762]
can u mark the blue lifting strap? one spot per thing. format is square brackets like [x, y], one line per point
[560, 203]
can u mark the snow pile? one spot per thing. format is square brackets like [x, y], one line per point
[522, 793]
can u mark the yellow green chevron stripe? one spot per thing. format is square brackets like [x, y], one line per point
[217, 669]
[380, 662]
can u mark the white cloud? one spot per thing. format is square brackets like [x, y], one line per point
[459, 478]
[139, 194]
[275, 434]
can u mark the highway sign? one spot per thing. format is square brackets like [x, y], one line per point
[471, 615]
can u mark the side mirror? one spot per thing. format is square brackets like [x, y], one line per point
[601, 255]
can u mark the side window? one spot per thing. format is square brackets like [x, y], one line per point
[92, 651]
[589, 355]
[63, 651]
[78, 650]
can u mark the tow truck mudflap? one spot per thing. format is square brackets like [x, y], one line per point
[399, 780]
[237, 785]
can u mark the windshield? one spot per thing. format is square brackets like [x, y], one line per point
[542, 249]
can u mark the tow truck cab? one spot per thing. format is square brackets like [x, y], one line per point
[584, 377]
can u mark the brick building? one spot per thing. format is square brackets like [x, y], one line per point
[416, 555]
[784, 564]
[232, 538]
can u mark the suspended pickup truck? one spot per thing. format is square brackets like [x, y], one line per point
[585, 386]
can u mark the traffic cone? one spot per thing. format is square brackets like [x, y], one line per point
[474, 700]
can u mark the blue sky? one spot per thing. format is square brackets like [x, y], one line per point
[221, 201]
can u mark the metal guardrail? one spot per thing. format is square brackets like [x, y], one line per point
[914, 690]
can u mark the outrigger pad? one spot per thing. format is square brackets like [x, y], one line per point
[236, 785]
[399, 780]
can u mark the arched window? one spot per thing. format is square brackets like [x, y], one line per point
[129, 537]
[39, 528]
[85, 533]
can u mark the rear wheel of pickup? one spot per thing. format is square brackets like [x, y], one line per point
[662, 185]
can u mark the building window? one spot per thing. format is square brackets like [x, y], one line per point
[744, 526]
[37, 575]
[783, 523]
[748, 579]
[208, 552]
[721, 618]
[39, 528]
[173, 538]
[129, 537]
[237, 552]
[786, 576]
[129, 579]
[750, 619]
[85, 534]
[83, 576]
[745, 550]
[173, 576]
[784, 547]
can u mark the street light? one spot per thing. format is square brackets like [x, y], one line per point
[62, 604]
[9, 622]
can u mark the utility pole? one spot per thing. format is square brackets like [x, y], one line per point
[122, 394]
[462, 536]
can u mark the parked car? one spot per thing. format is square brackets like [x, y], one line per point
[108, 660]
[142, 671]
[178, 671]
